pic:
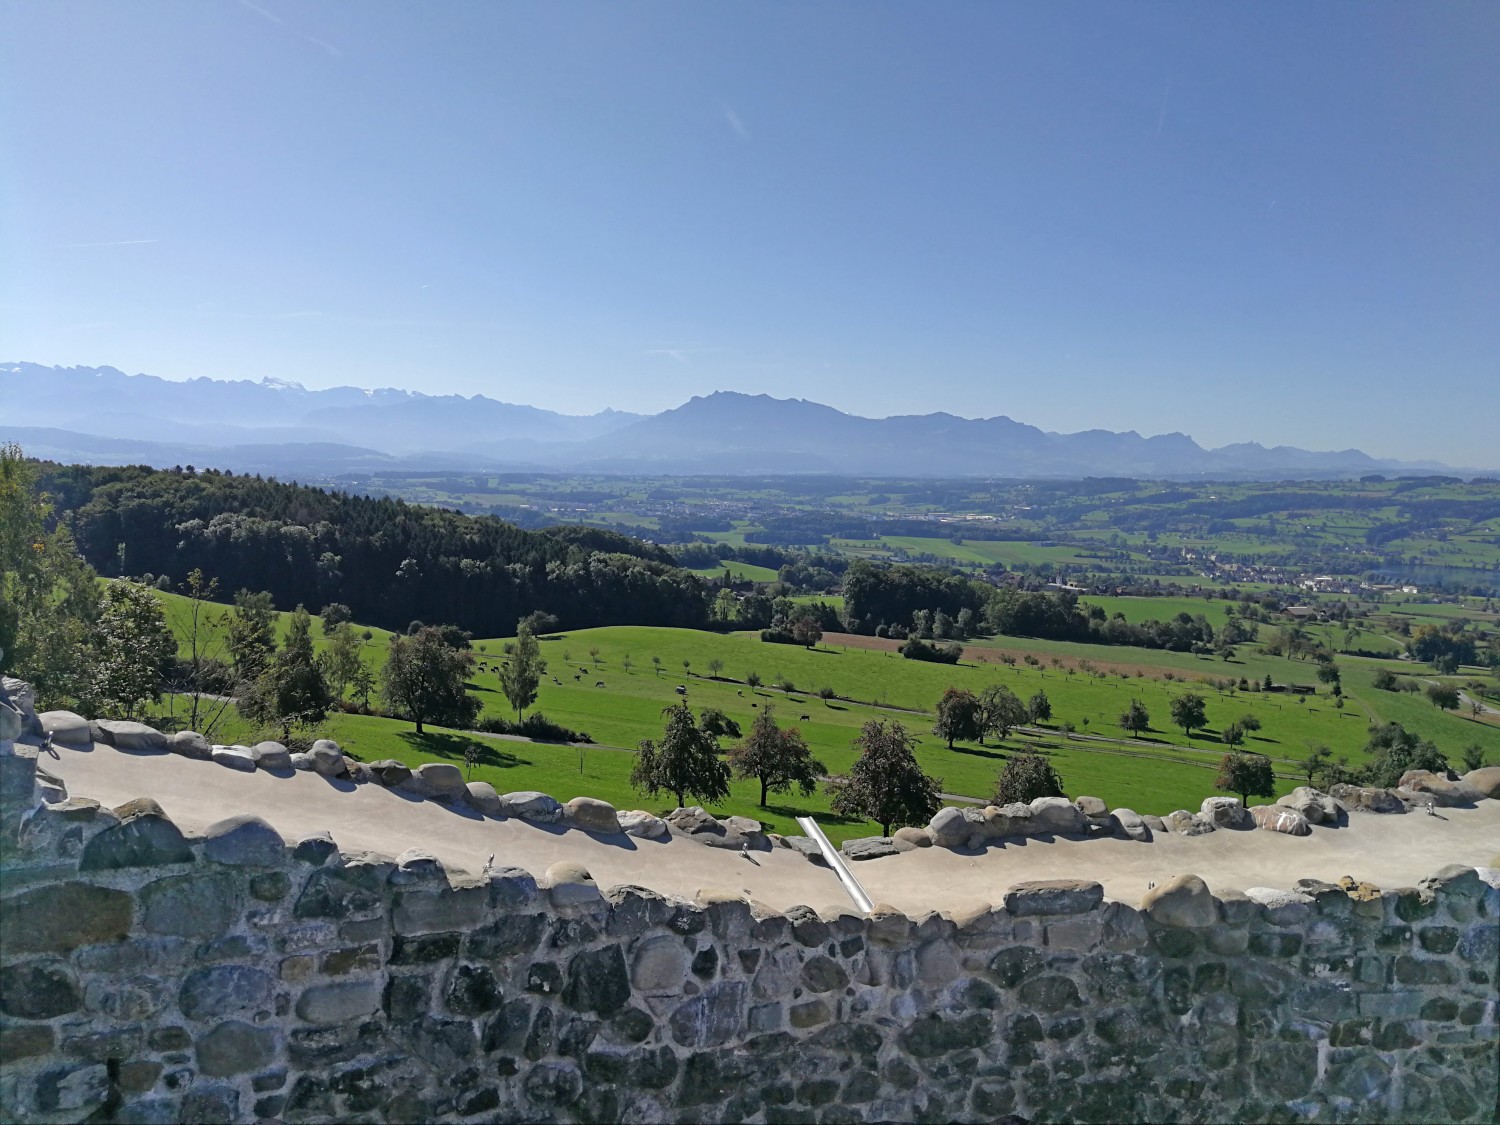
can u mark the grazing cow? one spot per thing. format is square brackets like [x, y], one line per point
[806, 719]
[755, 705]
[680, 689]
[579, 676]
[739, 693]
[598, 683]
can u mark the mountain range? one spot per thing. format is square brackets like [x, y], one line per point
[104, 416]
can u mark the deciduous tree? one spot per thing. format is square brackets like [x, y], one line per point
[1135, 718]
[777, 758]
[132, 652]
[425, 679]
[49, 600]
[1443, 696]
[1003, 710]
[340, 659]
[959, 715]
[1248, 774]
[684, 762]
[521, 675]
[885, 784]
[1025, 777]
[1189, 712]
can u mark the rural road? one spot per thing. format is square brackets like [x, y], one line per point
[1387, 850]
[1467, 701]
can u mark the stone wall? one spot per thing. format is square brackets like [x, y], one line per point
[234, 976]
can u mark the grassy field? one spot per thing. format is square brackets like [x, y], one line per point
[1162, 609]
[833, 601]
[739, 571]
[1156, 774]
[981, 552]
[212, 630]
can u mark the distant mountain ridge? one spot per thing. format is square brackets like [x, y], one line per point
[103, 415]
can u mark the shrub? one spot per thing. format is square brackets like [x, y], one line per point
[917, 649]
[778, 637]
[1025, 778]
[535, 725]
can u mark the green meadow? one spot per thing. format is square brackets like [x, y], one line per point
[1155, 774]
[1136, 610]
[738, 571]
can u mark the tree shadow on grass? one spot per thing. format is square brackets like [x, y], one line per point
[981, 752]
[451, 747]
[791, 812]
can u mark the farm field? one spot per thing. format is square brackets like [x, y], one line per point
[1156, 774]
[1161, 609]
[833, 601]
[981, 552]
[738, 571]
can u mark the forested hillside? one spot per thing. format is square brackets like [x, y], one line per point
[389, 561]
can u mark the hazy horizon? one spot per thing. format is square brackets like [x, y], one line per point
[1275, 224]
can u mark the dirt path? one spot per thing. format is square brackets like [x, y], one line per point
[1390, 850]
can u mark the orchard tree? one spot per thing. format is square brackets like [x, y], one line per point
[1039, 707]
[425, 679]
[1135, 718]
[715, 723]
[1245, 773]
[521, 675]
[1189, 712]
[1025, 777]
[1443, 696]
[1328, 673]
[1232, 735]
[1318, 759]
[885, 784]
[685, 762]
[1002, 711]
[777, 758]
[959, 715]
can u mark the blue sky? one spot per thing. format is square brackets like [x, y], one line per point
[1269, 221]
